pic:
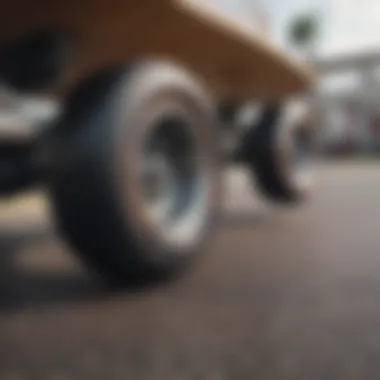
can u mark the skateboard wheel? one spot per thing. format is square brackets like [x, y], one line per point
[135, 176]
[283, 154]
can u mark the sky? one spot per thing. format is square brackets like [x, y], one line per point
[354, 25]
[346, 25]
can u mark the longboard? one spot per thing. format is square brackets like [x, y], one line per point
[231, 59]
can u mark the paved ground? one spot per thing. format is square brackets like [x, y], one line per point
[279, 295]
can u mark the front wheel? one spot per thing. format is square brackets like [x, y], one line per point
[135, 179]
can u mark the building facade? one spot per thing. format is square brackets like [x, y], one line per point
[348, 102]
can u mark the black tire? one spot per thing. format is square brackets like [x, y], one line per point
[99, 146]
[281, 156]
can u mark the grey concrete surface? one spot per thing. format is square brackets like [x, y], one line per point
[280, 294]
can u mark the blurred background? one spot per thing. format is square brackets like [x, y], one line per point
[339, 38]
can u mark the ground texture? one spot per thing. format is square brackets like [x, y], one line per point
[280, 294]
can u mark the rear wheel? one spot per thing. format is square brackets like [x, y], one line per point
[135, 180]
[279, 151]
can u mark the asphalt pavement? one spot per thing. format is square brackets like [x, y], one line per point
[279, 294]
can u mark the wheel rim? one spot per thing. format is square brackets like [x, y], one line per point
[301, 146]
[302, 154]
[173, 180]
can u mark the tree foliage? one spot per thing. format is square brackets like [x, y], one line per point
[303, 29]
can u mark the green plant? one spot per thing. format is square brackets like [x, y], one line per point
[303, 29]
[303, 33]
